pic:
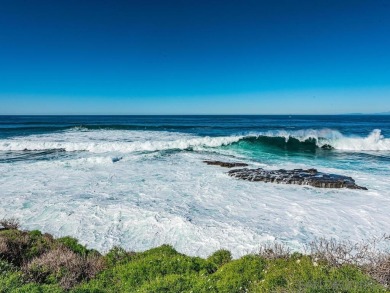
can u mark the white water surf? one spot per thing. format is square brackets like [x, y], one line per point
[148, 199]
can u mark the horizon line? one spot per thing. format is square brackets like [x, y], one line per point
[342, 114]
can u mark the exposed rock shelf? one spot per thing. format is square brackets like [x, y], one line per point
[225, 164]
[297, 176]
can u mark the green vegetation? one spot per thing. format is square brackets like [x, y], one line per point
[220, 257]
[73, 245]
[34, 262]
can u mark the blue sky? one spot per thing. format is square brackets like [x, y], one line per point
[194, 57]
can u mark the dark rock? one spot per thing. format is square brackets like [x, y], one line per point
[225, 164]
[116, 159]
[327, 147]
[297, 176]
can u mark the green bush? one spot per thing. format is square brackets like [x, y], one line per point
[73, 245]
[170, 284]
[10, 281]
[149, 267]
[6, 267]
[18, 247]
[239, 275]
[39, 243]
[118, 255]
[305, 275]
[35, 233]
[220, 257]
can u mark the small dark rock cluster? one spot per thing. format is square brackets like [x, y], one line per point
[225, 164]
[297, 176]
[327, 147]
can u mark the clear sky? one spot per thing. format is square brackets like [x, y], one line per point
[194, 57]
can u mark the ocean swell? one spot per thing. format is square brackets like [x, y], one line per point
[119, 146]
[124, 142]
[325, 138]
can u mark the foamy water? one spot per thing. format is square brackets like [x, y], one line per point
[375, 141]
[142, 188]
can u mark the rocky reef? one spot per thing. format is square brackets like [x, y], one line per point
[297, 176]
[225, 164]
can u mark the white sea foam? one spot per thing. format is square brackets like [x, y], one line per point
[375, 141]
[114, 141]
[100, 141]
[147, 199]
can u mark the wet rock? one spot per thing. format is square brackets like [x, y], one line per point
[327, 147]
[225, 164]
[116, 159]
[297, 176]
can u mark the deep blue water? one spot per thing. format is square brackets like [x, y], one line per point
[360, 125]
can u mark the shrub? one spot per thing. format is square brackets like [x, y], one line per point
[63, 266]
[380, 269]
[19, 247]
[337, 253]
[9, 224]
[274, 250]
[6, 267]
[306, 275]
[163, 250]
[73, 245]
[118, 255]
[367, 255]
[35, 233]
[93, 264]
[3, 246]
[220, 257]
[13, 246]
[59, 265]
[10, 281]
[38, 244]
[237, 276]
[147, 267]
[171, 283]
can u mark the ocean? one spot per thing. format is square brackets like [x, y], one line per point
[140, 181]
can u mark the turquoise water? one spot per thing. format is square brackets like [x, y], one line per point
[140, 181]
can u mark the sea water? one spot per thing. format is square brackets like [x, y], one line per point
[140, 181]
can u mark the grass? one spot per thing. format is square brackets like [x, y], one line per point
[34, 262]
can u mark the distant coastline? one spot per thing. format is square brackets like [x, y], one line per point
[380, 113]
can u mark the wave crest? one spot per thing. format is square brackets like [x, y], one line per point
[325, 138]
[289, 140]
[121, 147]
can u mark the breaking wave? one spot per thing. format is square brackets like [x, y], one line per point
[325, 139]
[290, 140]
[119, 146]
